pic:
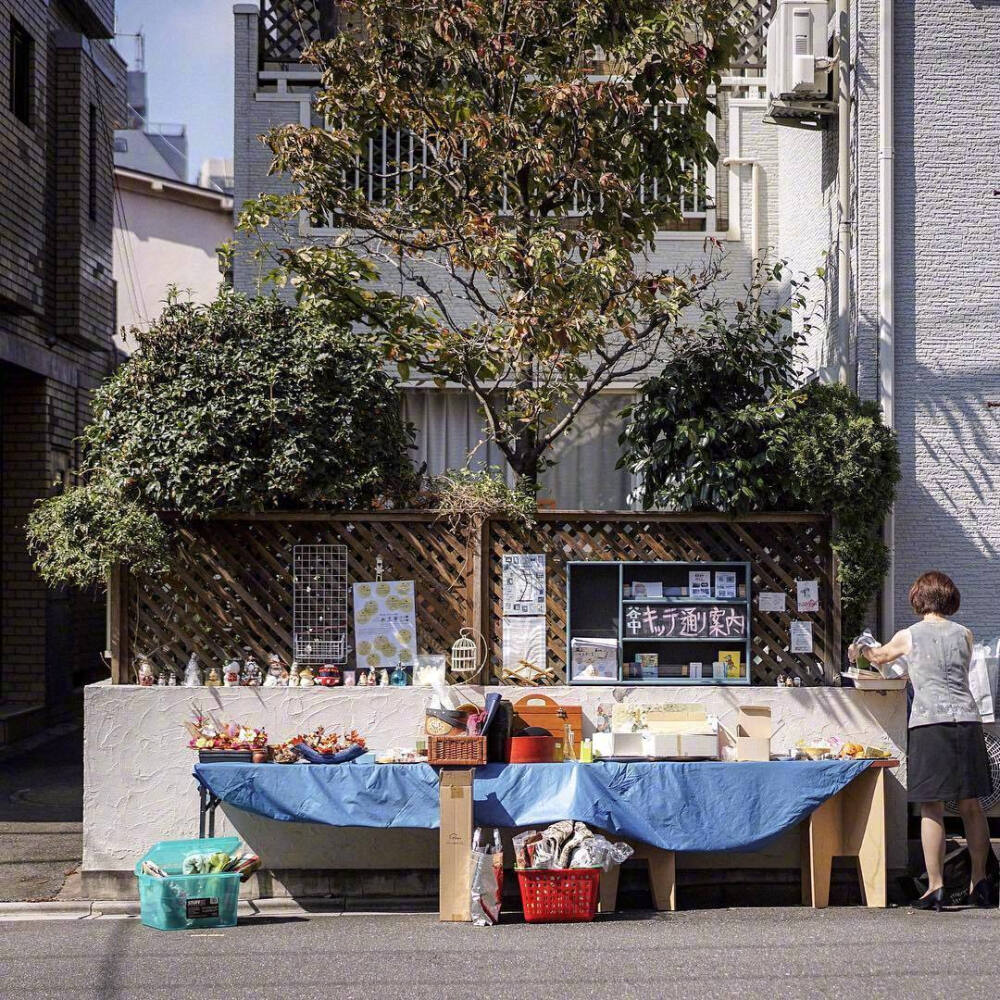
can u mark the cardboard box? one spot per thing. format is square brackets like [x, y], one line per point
[753, 733]
[456, 844]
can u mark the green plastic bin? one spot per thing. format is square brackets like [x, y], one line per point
[187, 902]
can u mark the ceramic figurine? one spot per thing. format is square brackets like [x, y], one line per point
[172, 680]
[213, 680]
[306, 678]
[293, 677]
[161, 679]
[275, 668]
[231, 677]
[349, 678]
[251, 675]
[372, 678]
[146, 677]
[383, 678]
[192, 673]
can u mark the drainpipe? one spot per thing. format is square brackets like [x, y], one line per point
[743, 161]
[846, 372]
[886, 274]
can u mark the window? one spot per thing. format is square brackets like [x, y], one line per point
[22, 71]
[92, 165]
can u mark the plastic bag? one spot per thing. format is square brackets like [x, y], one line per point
[486, 881]
[598, 852]
[979, 682]
[522, 841]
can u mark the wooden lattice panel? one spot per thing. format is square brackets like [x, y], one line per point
[751, 18]
[780, 549]
[289, 27]
[229, 591]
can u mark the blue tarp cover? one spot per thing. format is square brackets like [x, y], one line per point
[697, 806]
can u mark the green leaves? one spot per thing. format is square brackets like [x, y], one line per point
[727, 427]
[241, 405]
[510, 163]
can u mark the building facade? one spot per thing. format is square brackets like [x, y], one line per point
[273, 87]
[906, 314]
[63, 95]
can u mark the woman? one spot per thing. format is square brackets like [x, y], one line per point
[946, 755]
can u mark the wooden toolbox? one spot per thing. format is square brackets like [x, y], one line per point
[540, 710]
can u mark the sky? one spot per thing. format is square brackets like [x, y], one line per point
[189, 66]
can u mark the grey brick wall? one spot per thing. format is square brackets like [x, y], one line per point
[56, 315]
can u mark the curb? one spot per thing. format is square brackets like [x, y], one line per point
[54, 910]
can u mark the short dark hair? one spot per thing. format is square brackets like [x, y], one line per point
[936, 593]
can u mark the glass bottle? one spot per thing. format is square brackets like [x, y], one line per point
[398, 678]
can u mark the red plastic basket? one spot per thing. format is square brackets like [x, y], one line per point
[559, 895]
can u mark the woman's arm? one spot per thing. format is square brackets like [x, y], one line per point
[899, 645]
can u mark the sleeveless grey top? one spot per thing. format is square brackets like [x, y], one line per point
[939, 671]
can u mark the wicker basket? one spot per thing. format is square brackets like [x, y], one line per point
[559, 895]
[460, 751]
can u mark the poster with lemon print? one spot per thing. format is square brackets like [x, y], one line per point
[385, 624]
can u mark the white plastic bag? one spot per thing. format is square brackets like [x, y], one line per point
[979, 682]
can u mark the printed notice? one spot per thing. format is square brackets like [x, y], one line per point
[807, 595]
[802, 637]
[523, 583]
[770, 600]
[385, 624]
[725, 585]
[700, 583]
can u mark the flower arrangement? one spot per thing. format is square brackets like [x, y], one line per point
[326, 742]
[207, 734]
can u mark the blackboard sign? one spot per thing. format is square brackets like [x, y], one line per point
[651, 621]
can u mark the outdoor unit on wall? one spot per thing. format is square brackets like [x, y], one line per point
[799, 67]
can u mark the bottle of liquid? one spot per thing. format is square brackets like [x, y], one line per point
[587, 751]
[398, 678]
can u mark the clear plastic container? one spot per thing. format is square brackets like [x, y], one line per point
[187, 902]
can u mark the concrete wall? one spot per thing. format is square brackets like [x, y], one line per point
[165, 234]
[138, 785]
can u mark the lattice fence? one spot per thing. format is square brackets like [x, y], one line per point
[779, 548]
[230, 592]
[230, 589]
[752, 18]
[288, 27]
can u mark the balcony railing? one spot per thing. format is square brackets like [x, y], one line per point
[394, 161]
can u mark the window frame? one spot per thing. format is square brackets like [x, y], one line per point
[21, 77]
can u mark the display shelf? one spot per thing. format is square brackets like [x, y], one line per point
[597, 608]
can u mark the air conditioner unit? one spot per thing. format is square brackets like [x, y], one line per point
[798, 58]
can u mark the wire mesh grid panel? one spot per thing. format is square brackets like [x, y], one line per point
[319, 603]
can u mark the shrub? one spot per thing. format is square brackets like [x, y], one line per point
[241, 405]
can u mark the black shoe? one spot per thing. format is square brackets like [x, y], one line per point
[982, 894]
[932, 901]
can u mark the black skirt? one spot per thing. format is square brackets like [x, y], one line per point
[947, 761]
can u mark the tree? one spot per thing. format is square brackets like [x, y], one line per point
[729, 426]
[241, 405]
[537, 148]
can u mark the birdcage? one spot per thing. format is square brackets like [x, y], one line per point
[468, 653]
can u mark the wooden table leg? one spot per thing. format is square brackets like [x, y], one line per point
[849, 824]
[609, 889]
[864, 833]
[662, 878]
[824, 844]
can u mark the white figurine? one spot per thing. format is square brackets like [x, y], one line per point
[251, 676]
[146, 676]
[172, 680]
[231, 675]
[161, 680]
[383, 678]
[293, 677]
[192, 673]
[275, 669]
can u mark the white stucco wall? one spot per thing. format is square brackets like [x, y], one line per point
[138, 784]
[165, 235]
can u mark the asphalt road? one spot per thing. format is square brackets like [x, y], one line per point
[747, 953]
